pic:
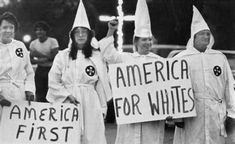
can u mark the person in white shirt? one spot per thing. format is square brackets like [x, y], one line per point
[16, 72]
[42, 52]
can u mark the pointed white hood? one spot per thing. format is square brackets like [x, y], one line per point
[198, 24]
[142, 20]
[81, 20]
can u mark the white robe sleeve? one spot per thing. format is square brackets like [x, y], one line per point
[29, 79]
[109, 52]
[103, 101]
[102, 86]
[229, 91]
[56, 90]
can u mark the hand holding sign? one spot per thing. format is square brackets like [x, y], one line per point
[72, 100]
[40, 123]
[5, 102]
[151, 90]
[29, 96]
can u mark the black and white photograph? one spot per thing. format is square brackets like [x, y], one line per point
[117, 72]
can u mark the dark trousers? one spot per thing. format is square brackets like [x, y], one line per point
[41, 81]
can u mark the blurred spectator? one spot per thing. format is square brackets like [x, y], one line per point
[42, 52]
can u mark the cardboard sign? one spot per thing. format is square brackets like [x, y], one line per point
[40, 123]
[151, 90]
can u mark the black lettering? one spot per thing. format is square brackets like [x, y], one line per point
[184, 69]
[154, 107]
[172, 69]
[75, 114]
[56, 135]
[177, 95]
[165, 101]
[117, 106]
[67, 132]
[126, 106]
[146, 73]
[19, 130]
[42, 131]
[183, 100]
[61, 113]
[167, 70]
[135, 103]
[189, 95]
[65, 114]
[51, 114]
[42, 114]
[159, 70]
[120, 76]
[173, 102]
[131, 70]
[31, 132]
[15, 110]
[29, 112]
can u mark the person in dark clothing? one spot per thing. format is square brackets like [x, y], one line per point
[42, 52]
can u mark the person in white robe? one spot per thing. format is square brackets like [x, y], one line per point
[212, 84]
[145, 132]
[16, 72]
[79, 76]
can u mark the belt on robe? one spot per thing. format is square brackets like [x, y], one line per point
[16, 83]
[80, 101]
[78, 85]
[222, 115]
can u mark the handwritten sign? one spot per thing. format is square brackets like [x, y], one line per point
[151, 90]
[40, 123]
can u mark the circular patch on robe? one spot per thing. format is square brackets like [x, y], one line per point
[90, 70]
[217, 70]
[19, 52]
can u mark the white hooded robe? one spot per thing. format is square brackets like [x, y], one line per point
[87, 81]
[136, 133]
[212, 84]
